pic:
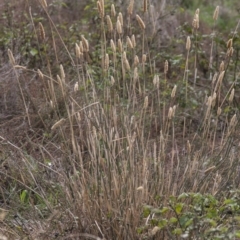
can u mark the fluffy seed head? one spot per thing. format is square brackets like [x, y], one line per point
[145, 5]
[230, 52]
[113, 12]
[133, 40]
[109, 24]
[119, 27]
[113, 47]
[140, 22]
[156, 80]
[85, 44]
[231, 95]
[44, 3]
[75, 88]
[174, 91]
[219, 111]
[170, 113]
[120, 47]
[145, 105]
[166, 67]
[120, 18]
[40, 74]
[41, 31]
[144, 58]
[136, 60]
[215, 14]
[11, 58]
[77, 50]
[188, 43]
[106, 62]
[229, 43]
[129, 42]
[221, 67]
[130, 7]
[112, 80]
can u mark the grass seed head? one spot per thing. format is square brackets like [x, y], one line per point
[77, 50]
[156, 80]
[119, 27]
[188, 43]
[113, 46]
[129, 42]
[166, 67]
[230, 52]
[130, 7]
[140, 22]
[221, 67]
[85, 44]
[11, 58]
[215, 14]
[145, 5]
[113, 12]
[136, 60]
[133, 40]
[120, 47]
[41, 31]
[231, 95]
[40, 74]
[145, 104]
[229, 43]
[109, 24]
[120, 18]
[174, 91]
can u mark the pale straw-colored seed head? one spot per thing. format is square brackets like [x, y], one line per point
[174, 91]
[189, 148]
[145, 104]
[233, 121]
[127, 65]
[62, 73]
[219, 111]
[129, 42]
[113, 46]
[195, 22]
[140, 22]
[40, 74]
[120, 46]
[106, 62]
[156, 80]
[41, 31]
[144, 58]
[120, 18]
[135, 73]
[100, 9]
[145, 5]
[221, 75]
[136, 60]
[109, 24]
[112, 80]
[119, 27]
[214, 97]
[113, 11]
[174, 110]
[215, 14]
[188, 43]
[230, 52]
[140, 188]
[170, 113]
[75, 88]
[11, 58]
[165, 66]
[130, 7]
[231, 95]
[85, 44]
[133, 40]
[81, 46]
[209, 101]
[44, 3]
[155, 230]
[221, 67]
[77, 50]
[229, 43]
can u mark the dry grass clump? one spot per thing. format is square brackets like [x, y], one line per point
[119, 138]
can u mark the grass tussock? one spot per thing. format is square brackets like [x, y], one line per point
[117, 149]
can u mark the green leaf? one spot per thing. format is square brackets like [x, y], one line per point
[33, 52]
[179, 207]
[173, 220]
[24, 196]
